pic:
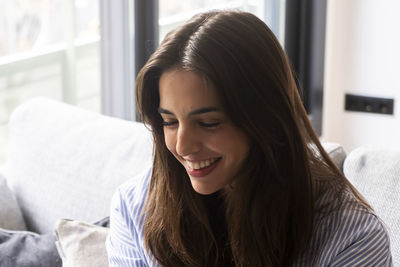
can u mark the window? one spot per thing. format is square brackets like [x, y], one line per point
[175, 12]
[52, 48]
[48, 48]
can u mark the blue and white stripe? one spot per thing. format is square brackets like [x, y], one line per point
[125, 244]
[350, 236]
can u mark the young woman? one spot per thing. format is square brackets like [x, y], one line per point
[239, 177]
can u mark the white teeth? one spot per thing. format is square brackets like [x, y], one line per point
[200, 164]
[196, 165]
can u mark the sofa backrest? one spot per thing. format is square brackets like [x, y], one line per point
[65, 162]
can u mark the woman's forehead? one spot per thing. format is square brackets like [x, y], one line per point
[186, 88]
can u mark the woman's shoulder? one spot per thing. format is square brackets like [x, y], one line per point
[344, 227]
[136, 184]
[350, 216]
[134, 191]
[343, 209]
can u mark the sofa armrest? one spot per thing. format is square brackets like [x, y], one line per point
[375, 173]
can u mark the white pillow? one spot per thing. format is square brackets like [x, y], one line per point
[10, 214]
[81, 244]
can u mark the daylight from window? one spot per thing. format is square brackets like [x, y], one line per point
[48, 48]
[51, 48]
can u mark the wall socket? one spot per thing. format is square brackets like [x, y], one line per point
[369, 104]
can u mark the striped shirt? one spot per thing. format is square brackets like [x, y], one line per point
[349, 236]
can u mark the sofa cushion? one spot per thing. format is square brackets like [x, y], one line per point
[81, 244]
[375, 173]
[23, 248]
[65, 162]
[10, 214]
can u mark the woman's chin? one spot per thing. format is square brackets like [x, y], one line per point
[205, 190]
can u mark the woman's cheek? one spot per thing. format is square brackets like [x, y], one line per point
[169, 141]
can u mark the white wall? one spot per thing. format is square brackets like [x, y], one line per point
[362, 57]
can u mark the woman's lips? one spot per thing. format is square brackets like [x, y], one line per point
[203, 171]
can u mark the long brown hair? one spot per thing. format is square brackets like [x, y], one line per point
[270, 207]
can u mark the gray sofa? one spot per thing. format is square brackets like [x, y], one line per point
[65, 162]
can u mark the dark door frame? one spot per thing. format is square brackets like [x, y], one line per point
[305, 27]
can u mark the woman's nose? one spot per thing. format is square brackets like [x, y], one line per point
[187, 142]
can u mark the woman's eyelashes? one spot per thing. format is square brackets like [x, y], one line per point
[209, 125]
[204, 124]
[168, 123]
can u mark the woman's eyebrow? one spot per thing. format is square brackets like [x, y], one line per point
[194, 112]
[164, 111]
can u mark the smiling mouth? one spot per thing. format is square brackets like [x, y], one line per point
[201, 164]
[201, 168]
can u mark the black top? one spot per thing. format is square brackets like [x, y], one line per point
[215, 207]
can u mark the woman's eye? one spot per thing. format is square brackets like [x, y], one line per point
[168, 123]
[209, 125]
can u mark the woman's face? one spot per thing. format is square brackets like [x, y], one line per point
[198, 132]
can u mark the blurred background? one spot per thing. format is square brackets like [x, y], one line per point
[87, 53]
[52, 48]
